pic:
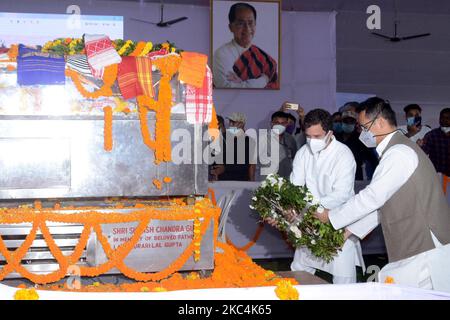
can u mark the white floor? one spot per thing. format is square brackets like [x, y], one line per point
[360, 291]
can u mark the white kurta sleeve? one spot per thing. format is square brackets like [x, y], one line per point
[298, 168]
[343, 181]
[364, 226]
[395, 168]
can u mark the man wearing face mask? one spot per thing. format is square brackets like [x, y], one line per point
[406, 191]
[414, 128]
[296, 131]
[287, 146]
[238, 155]
[436, 144]
[327, 167]
[350, 137]
[337, 123]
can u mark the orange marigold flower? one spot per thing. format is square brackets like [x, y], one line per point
[389, 280]
[157, 184]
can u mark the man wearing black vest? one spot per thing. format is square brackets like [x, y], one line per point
[406, 191]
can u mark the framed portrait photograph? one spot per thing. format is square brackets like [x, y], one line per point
[245, 44]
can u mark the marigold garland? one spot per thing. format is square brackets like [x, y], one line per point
[167, 179]
[125, 47]
[175, 266]
[13, 52]
[138, 50]
[161, 145]
[197, 237]
[157, 183]
[92, 220]
[213, 127]
[148, 47]
[107, 128]
[252, 242]
[233, 269]
[65, 46]
[109, 77]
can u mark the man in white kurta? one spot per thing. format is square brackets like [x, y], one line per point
[330, 175]
[429, 269]
[224, 59]
[395, 168]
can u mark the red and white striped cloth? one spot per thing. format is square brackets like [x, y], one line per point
[199, 101]
[157, 54]
[100, 52]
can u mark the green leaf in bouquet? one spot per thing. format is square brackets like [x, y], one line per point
[276, 195]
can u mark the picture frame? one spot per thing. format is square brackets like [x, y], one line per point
[246, 44]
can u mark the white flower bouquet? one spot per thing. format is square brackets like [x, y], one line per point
[291, 209]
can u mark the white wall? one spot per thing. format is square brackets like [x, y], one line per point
[414, 71]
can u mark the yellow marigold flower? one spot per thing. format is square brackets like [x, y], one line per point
[148, 47]
[173, 50]
[285, 291]
[26, 294]
[269, 274]
[145, 289]
[193, 276]
[159, 289]
[96, 284]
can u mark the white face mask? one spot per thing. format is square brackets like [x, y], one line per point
[317, 145]
[233, 130]
[445, 129]
[278, 129]
[368, 139]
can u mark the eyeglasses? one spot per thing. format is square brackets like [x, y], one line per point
[364, 126]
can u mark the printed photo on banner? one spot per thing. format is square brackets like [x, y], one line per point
[245, 44]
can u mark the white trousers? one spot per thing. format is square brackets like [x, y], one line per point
[427, 270]
[336, 279]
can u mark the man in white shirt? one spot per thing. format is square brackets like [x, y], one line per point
[327, 167]
[258, 70]
[414, 129]
[406, 191]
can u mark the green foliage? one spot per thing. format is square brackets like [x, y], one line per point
[279, 199]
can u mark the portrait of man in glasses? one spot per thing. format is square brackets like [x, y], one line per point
[240, 63]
